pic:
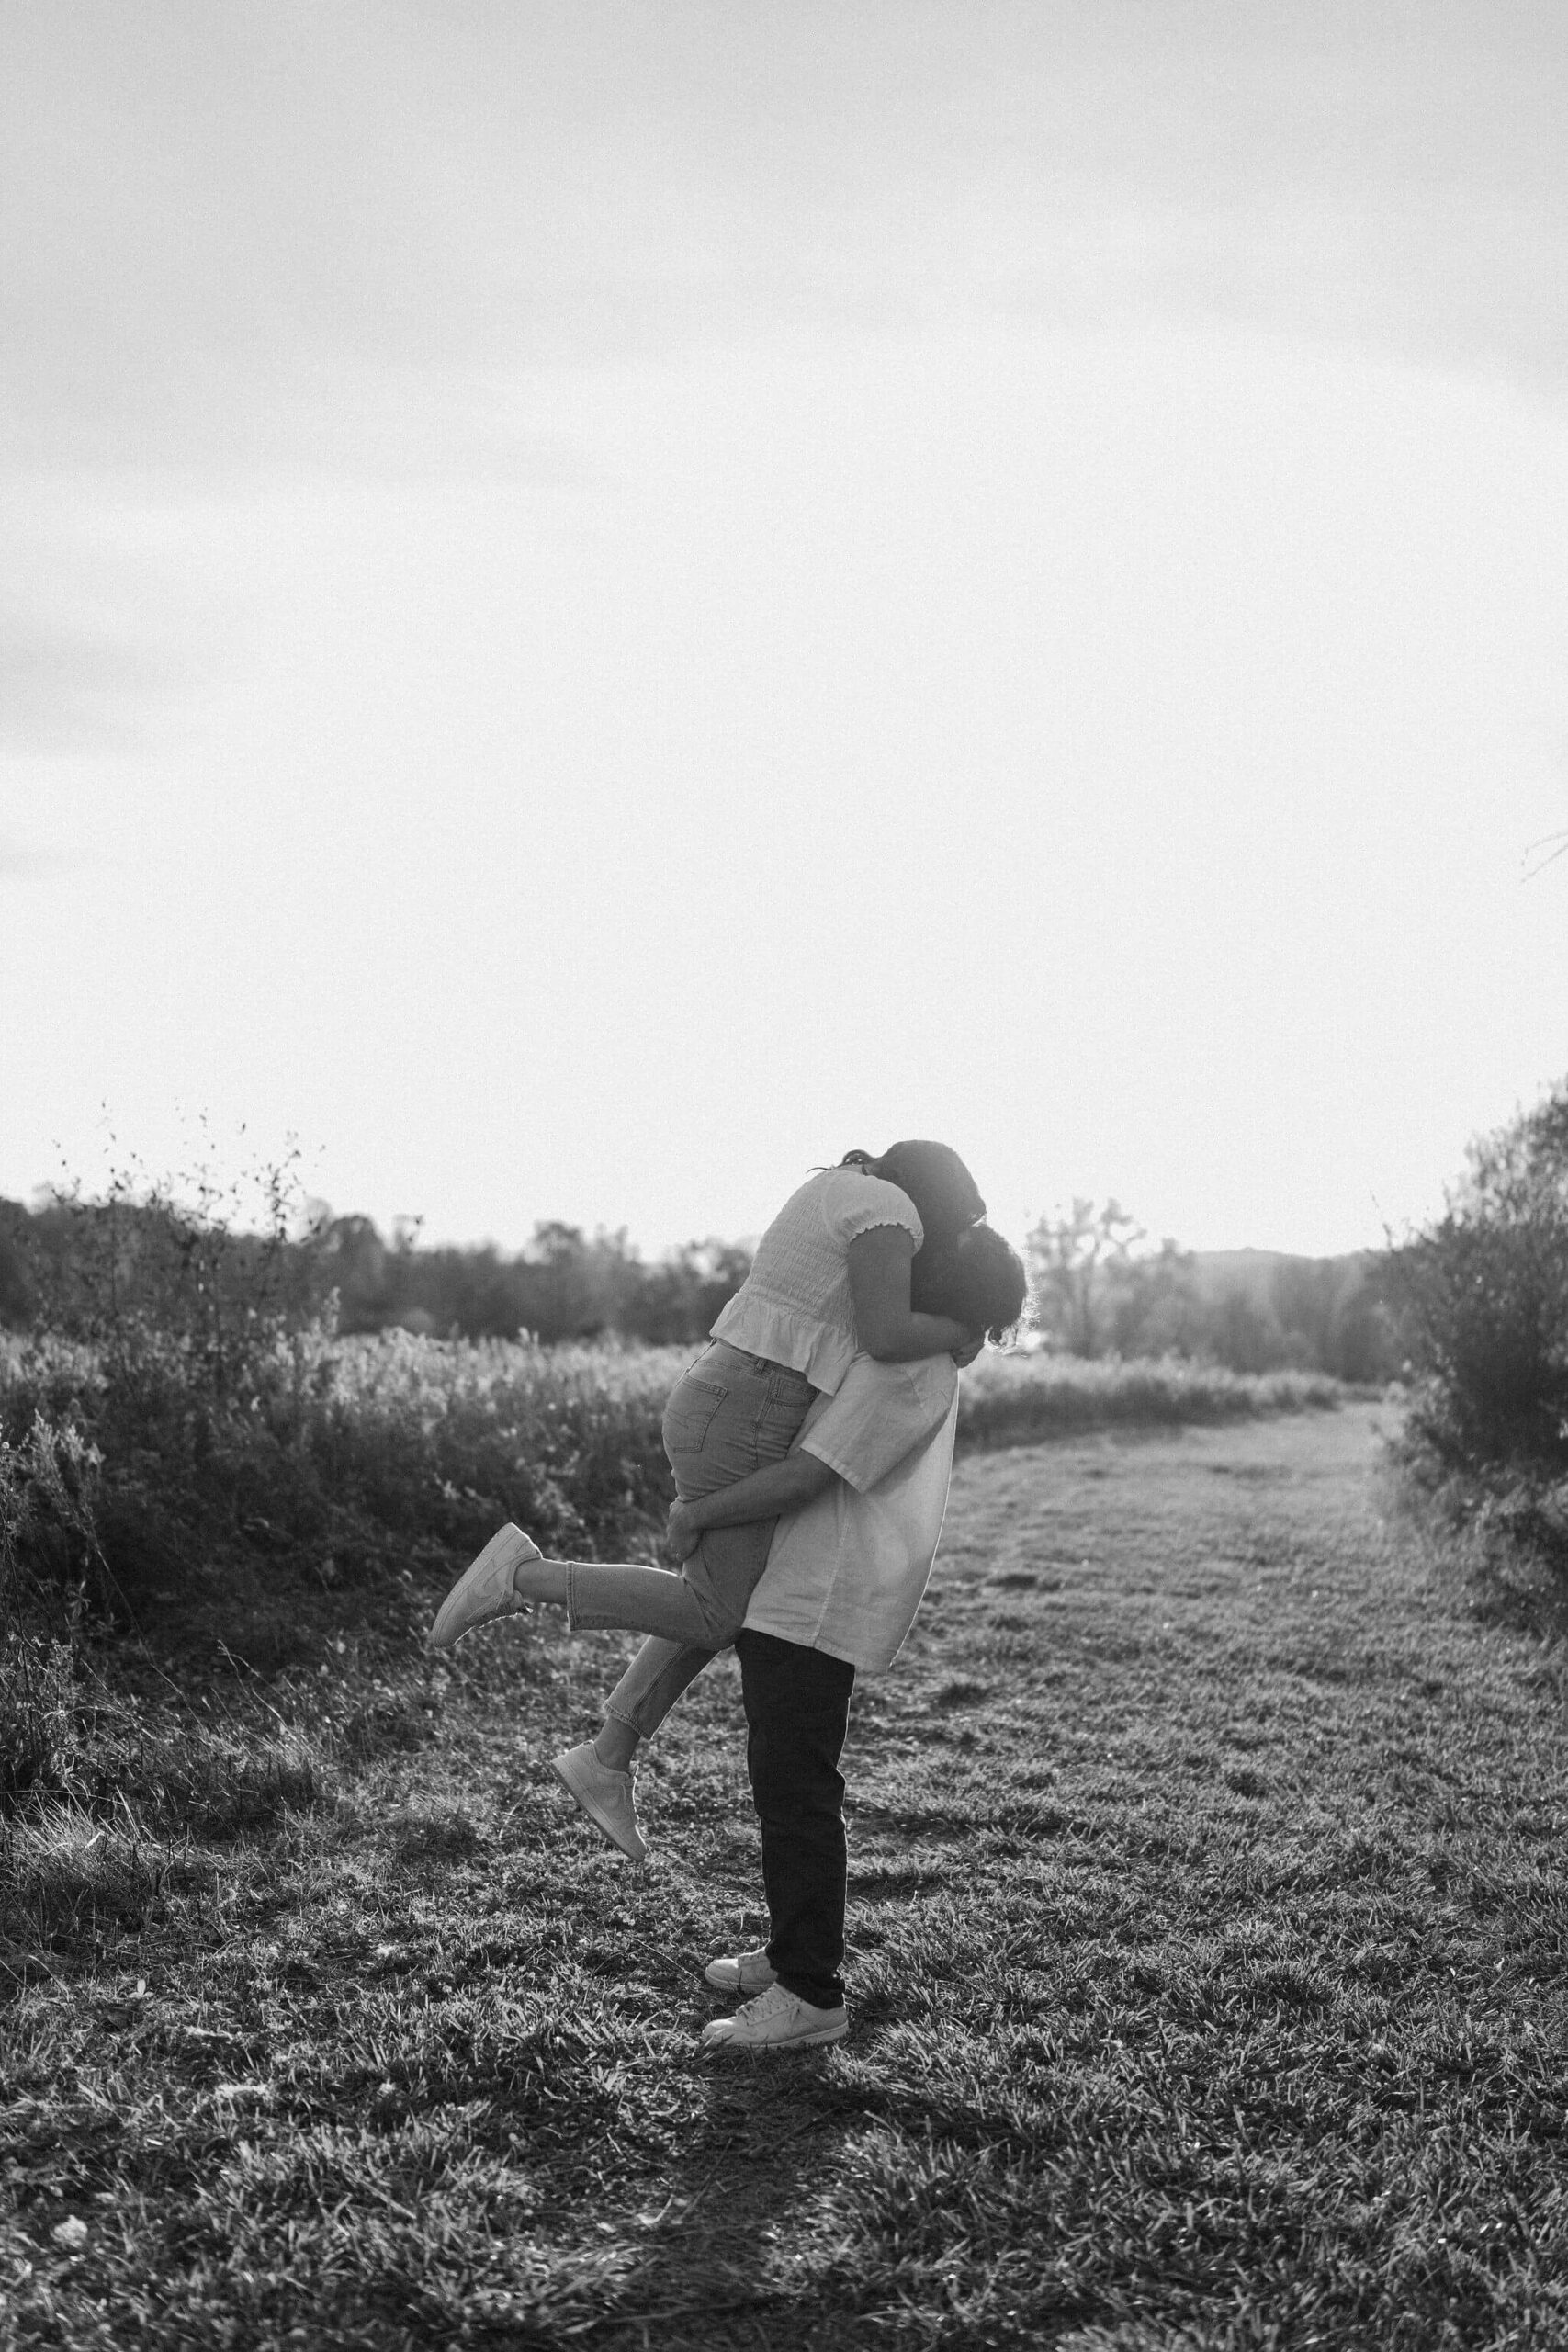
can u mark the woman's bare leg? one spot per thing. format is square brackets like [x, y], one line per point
[599, 1594]
[642, 1599]
[656, 1678]
[761, 1409]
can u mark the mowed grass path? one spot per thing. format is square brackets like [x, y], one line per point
[1208, 1987]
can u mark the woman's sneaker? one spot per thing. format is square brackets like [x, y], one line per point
[741, 1972]
[776, 2021]
[484, 1590]
[605, 1796]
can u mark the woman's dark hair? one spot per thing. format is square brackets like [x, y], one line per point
[935, 1179]
[977, 1278]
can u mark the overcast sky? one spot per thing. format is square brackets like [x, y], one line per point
[605, 601]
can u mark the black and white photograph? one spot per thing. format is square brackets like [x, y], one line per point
[784, 1175]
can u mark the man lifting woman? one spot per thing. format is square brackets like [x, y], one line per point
[811, 1445]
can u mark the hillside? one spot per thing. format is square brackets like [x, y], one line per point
[1257, 1271]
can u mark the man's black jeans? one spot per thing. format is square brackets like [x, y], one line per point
[797, 1711]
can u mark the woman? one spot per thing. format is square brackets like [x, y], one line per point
[859, 1505]
[830, 1278]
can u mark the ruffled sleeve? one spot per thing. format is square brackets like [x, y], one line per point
[861, 1202]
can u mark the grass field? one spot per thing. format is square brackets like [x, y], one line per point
[1207, 1987]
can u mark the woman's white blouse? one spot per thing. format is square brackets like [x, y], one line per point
[795, 1306]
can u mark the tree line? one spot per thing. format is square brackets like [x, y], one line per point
[69, 1263]
[1098, 1289]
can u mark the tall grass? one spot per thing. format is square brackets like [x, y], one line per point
[150, 1525]
[1021, 1399]
[157, 1530]
[348, 1459]
[328, 1464]
[356, 1462]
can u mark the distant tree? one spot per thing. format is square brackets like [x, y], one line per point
[473, 1293]
[1304, 1295]
[565, 1283]
[1070, 1258]
[1366, 1340]
[1334, 1318]
[1153, 1307]
[353, 1260]
[1242, 1333]
[677, 1298]
[76, 1264]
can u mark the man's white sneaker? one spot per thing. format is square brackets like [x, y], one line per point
[741, 1972]
[776, 2021]
[484, 1590]
[604, 1796]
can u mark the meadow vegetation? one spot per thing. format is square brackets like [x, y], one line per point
[135, 1487]
[1207, 1979]
[1207, 1939]
[184, 1428]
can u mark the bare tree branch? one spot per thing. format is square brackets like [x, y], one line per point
[1552, 854]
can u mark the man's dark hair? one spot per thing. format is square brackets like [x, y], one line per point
[977, 1278]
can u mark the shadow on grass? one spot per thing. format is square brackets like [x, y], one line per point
[721, 2251]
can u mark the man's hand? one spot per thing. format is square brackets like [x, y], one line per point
[961, 1356]
[680, 1538]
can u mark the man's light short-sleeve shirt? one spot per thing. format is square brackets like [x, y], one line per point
[846, 1574]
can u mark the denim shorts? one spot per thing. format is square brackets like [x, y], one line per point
[730, 1414]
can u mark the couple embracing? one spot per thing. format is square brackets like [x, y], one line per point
[811, 1443]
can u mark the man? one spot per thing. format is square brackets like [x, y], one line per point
[861, 1503]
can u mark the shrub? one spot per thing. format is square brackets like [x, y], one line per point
[124, 1472]
[1484, 1302]
[1483, 1297]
